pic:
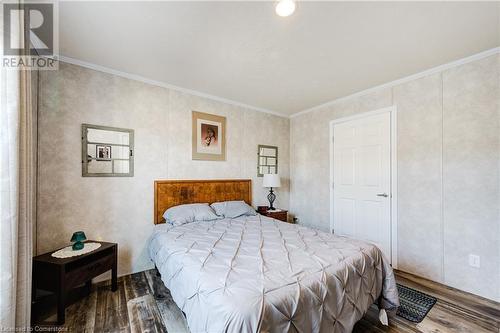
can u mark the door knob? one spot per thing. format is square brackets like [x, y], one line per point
[385, 195]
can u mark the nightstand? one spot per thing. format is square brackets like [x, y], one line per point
[60, 275]
[281, 215]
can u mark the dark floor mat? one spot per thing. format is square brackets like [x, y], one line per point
[414, 305]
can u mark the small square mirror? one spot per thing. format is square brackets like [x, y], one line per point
[107, 151]
[267, 160]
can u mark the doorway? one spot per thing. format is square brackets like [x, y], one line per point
[363, 174]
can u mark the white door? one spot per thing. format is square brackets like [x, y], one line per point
[362, 179]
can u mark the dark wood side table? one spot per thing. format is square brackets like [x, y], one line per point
[281, 215]
[60, 275]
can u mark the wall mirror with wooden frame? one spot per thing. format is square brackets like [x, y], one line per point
[107, 151]
[267, 160]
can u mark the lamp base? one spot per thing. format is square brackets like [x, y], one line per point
[271, 197]
[77, 246]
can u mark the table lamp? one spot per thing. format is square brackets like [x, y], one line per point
[271, 181]
[78, 238]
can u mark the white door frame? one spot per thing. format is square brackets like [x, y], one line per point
[394, 174]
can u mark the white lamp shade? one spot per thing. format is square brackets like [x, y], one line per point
[271, 180]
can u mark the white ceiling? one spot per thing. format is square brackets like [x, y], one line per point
[242, 51]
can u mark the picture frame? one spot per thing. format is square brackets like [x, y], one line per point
[103, 152]
[209, 137]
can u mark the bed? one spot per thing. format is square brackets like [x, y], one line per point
[254, 273]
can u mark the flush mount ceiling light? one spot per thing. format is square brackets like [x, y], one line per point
[285, 7]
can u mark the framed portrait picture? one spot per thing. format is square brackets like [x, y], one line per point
[209, 137]
[102, 152]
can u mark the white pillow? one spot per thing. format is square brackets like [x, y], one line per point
[233, 209]
[182, 214]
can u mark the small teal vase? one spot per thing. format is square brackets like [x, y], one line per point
[77, 239]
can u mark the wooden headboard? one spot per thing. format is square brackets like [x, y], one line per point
[169, 193]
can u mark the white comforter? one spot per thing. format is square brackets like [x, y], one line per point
[257, 274]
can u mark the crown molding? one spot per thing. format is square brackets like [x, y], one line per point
[412, 77]
[390, 84]
[142, 79]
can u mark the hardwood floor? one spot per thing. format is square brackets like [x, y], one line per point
[455, 311]
[143, 304]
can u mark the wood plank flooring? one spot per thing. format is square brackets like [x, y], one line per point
[455, 311]
[142, 303]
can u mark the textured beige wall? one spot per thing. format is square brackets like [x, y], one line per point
[448, 171]
[471, 175]
[121, 209]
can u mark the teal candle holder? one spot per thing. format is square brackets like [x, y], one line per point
[77, 239]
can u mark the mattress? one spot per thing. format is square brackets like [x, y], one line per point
[254, 273]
